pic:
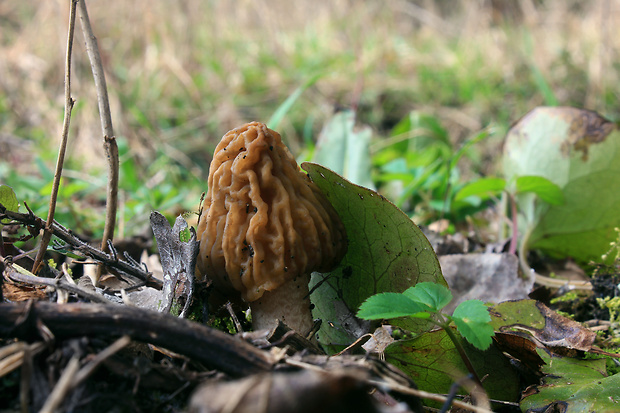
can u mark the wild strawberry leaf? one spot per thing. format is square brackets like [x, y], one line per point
[390, 305]
[473, 320]
[436, 296]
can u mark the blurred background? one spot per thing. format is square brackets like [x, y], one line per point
[429, 78]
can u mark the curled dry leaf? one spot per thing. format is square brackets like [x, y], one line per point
[544, 324]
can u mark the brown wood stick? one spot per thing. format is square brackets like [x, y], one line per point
[214, 348]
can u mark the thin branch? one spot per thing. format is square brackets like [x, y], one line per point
[109, 140]
[35, 223]
[63, 386]
[19, 274]
[426, 395]
[212, 347]
[47, 234]
[92, 365]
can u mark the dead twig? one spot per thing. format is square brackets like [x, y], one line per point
[427, 395]
[92, 365]
[124, 267]
[12, 356]
[62, 388]
[214, 348]
[19, 274]
[109, 140]
[47, 233]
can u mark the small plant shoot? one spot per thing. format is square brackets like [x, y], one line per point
[426, 300]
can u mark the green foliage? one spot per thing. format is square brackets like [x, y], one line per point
[546, 190]
[484, 188]
[425, 300]
[387, 253]
[391, 305]
[433, 362]
[472, 320]
[345, 150]
[515, 313]
[579, 152]
[418, 166]
[286, 106]
[8, 200]
[579, 385]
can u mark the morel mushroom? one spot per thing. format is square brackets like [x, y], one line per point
[265, 227]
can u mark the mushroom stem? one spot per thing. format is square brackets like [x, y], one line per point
[290, 303]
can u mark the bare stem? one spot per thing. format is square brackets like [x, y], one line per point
[544, 280]
[514, 240]
[459, 347]
[47, 233]
[109, 140]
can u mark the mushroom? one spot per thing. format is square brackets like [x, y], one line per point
[265, 227]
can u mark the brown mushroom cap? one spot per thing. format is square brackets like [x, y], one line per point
[264, 222]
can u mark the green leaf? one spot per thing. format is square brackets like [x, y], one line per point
[578, 151]
[473, 321]
[483, 188]
[345, 150]
[387, 253]
[185, 234]
[575, 385]
[389, 305]
[435, 296]
[541, 186]
[434, 364]
[516, 313]
[9, 200]
[284, 108]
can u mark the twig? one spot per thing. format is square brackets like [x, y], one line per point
[109, 140]
[212, 347]
[92, 365]
[12, 355]
[426, 395]
[19, 274]
[63, 386]
[67, 236]
[390, 384]
[47, 233]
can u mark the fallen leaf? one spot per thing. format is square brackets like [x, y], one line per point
[387, 253]
[544, 324]
[573, 385]
[489, 277]
[433, 363]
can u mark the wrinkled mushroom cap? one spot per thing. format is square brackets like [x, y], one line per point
[264, 222]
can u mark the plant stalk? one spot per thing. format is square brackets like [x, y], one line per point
[69, 102]
[461, 350]
[109, 140]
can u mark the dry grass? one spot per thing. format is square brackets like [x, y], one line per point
[181, 74]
